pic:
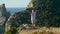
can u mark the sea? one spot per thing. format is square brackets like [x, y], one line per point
[14, 10]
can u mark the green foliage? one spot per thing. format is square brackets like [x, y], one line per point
[47, 12]
[8, 32]
[13, 30]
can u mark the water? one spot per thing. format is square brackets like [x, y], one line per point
[2, 28]
[14, 10]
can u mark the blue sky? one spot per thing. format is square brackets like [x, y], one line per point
[15, 3]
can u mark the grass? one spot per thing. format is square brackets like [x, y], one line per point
[51, 30]
[43, 32]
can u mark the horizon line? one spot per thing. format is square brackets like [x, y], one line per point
[15, 7]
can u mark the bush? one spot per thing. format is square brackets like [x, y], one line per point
[12, 31]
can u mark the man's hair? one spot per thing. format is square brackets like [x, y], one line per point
[33, 9]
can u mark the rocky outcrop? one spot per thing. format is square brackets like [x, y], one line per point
[4, 15]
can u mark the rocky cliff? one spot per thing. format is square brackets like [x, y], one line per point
[4, 15]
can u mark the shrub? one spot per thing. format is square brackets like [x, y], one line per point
[12, 31]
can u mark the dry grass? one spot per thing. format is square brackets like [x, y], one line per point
[42, 31]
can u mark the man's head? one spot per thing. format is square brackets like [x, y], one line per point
[33, 10]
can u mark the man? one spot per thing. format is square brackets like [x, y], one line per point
[33, 17]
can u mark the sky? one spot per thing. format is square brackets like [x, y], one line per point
[15, 3]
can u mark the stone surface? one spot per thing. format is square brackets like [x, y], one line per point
[4, 15]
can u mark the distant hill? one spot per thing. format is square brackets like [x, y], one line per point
[13, 10]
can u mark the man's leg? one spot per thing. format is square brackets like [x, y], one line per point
[33, 24]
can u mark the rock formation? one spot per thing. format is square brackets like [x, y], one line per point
[4, 15]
